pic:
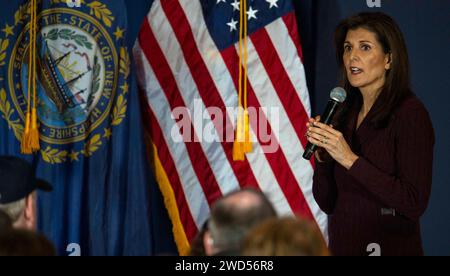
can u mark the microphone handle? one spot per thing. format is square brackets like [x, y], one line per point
[326, 118]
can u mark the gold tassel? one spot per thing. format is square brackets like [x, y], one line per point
[238, 146]
[247, 147]
[247, 142]
[242, 143]
[30, 138]
[25, 143]
[34, 132]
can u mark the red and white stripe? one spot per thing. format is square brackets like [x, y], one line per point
[178, 62]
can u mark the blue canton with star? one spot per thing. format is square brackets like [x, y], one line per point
[222, 17]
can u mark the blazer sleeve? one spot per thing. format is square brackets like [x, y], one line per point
[324, 186]
[407, 191]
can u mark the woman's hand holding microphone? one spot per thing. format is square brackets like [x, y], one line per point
[332, 141]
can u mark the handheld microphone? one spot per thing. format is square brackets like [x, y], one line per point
[337, 96]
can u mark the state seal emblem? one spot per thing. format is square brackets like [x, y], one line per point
[81, 76]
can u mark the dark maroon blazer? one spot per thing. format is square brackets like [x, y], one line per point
[381, 198]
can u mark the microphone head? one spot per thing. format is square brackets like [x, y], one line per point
[338, 94]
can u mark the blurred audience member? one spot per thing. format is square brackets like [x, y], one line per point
[21, 242]
[5, 222]
[197, 245]
[232, 217]
[285, 237]
[17, 191]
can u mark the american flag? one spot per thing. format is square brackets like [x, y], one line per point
[187, 56]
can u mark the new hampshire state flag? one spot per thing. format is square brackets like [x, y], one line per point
[89, 123]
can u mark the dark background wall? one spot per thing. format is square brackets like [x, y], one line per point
[425, 25]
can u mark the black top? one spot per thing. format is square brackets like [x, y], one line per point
[381, 198]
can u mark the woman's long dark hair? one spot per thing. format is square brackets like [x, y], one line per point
[397, 85]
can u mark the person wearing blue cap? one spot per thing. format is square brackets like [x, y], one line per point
[18, 184]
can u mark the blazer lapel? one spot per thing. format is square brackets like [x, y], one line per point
[350, 128]
[366, 131]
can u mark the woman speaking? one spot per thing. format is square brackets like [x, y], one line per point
[374, 163]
